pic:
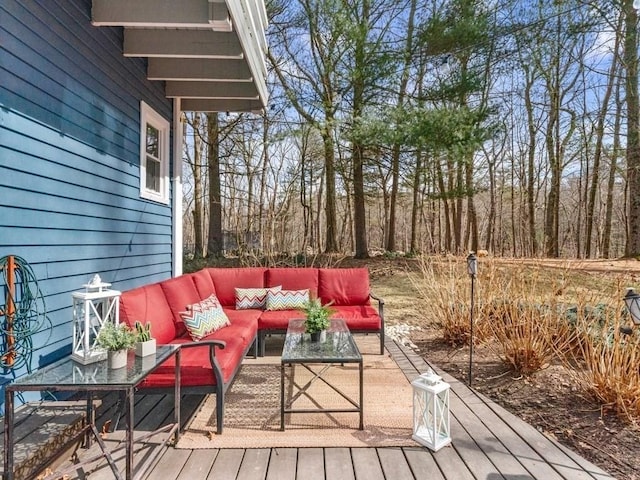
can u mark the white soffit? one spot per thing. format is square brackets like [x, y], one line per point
[211, 53]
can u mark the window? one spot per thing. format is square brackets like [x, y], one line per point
[154, 155]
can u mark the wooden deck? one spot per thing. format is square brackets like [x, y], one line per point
[488, 443]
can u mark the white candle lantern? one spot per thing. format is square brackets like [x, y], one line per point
[91, 309]
[431, 420]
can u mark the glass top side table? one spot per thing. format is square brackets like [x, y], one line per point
[68, 375]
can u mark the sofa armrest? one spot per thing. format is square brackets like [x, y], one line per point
[212, 344]
[381, 314]
[380, 305]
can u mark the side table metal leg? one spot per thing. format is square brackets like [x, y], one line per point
[90, 420]
[8, 434]
[176, 398]
[129, 434]
[361, 395]
[282, 397]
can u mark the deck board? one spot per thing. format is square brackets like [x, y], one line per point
[337, 463]
[489, 443]
[394, 464]
[422, 464]
[254, 464]
[198, 464]
[282, 464]
[366, 464]
[310, 464]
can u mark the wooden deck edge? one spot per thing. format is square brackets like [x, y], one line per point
[412, 365]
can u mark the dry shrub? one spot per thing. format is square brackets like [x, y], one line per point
[606, 363]
[537, 314]
[515, 304]
[444, 289]
[438, 288]
[528, 334]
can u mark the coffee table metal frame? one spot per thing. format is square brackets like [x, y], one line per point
[68, 375]
[339, 347]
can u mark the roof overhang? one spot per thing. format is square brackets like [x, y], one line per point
[210, 53]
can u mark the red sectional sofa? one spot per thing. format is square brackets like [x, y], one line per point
[211, 363]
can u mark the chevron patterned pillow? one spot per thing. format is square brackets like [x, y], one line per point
[287, 299]
[204, 317]
[253, 297]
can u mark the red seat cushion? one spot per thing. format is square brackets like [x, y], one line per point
[248, 314]
[277, 319]
[294, 279]
[359, 317]
[195, 367]
[345, 286]
[148, 303]
[226, 280]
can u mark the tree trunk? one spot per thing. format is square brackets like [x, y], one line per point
[531, 165]
[215, 244]
[615, 151]
[415, 206]
[600, 132]
[331, 242]
[197, 188]
[395, 156]
[632, 248]
[359, 201]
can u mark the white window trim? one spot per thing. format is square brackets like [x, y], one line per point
[149, 115]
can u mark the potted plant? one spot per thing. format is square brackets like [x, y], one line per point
[116, 340]
[145, 343]
[316, 319]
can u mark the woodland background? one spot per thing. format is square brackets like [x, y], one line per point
[428, 127]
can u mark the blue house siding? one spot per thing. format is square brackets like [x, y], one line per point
[69, 160]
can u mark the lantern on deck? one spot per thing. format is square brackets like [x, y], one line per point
[91, 309]
[431, 419]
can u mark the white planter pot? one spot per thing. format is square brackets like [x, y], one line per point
[146, 348]
[117, 359]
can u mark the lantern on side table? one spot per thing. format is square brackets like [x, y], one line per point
[91, 309]
[431, 419]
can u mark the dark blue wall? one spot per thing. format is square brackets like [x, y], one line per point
[69, 159]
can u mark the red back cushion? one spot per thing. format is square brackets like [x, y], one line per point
[180, 292]
[204, 283]
[226, 280]
[148, 303]
[294, 279]
[345, 286]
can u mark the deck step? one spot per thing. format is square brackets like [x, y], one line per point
[42, 432]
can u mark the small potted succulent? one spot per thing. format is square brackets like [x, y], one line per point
[116, 340]
[316, 319]
[145, 343]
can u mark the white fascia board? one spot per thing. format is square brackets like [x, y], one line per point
[249, 32]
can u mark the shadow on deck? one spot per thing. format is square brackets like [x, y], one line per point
[488, 443]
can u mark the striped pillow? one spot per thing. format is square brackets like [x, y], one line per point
[204, 317]
[287, 299]
[253, 297]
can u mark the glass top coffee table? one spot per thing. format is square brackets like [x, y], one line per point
[68, 375]
[338, 347]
